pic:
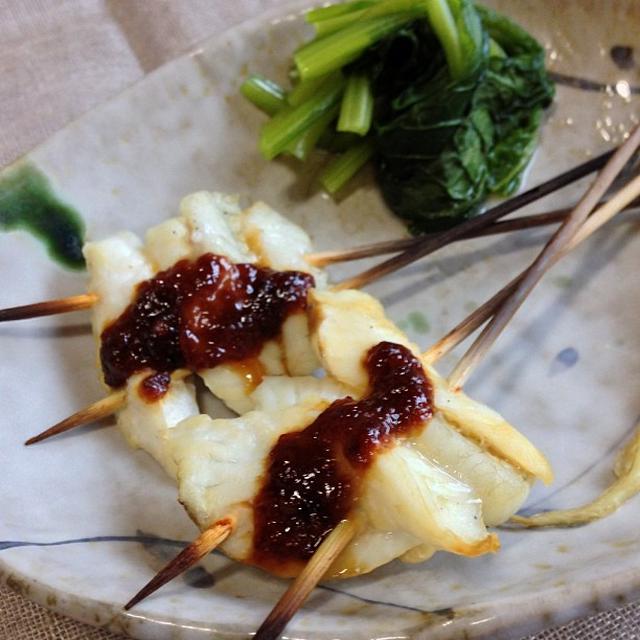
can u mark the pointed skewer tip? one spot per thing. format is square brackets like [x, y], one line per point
[305, 583]
[205, 543]
[96, 411]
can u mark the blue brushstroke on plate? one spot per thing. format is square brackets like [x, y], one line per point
[564, 360]
[201, 579]
[146, 539]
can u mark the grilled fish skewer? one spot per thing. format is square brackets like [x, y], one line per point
[346, 324]
[472, 322]
[410, 505]
[551, 252]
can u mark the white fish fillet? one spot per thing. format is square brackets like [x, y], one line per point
[437, 489]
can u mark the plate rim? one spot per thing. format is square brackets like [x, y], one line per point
[613, 590]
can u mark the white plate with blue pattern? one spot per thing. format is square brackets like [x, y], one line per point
[86, 521]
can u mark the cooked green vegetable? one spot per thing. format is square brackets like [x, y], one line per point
[445, 95]
[356, 112]
[302, 146]
[264, 94]
[332, 52]
[333, 11]
[290, 123]
[438, 158]
[345, 166]
[305, 90]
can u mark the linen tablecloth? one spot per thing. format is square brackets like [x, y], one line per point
[59, 58]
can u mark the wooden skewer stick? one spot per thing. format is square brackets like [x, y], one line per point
[622, 199]
[96, 411]
[324, 258]
[433, 243]
[204, 544]
[304, 584]
[544, 261]
[49, 307]
[535, 220]
[321, 259]
[424, 244]
[478, 317]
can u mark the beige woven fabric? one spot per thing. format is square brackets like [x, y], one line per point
[59, 58]
[22, 620]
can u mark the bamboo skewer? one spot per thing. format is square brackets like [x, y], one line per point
[96, 411]
[306, 582]
[476, 319]
[533, 221]
[325, 258]
[547, 257]
[86, 301]
[320, 259]
[417, 247]
[431, 244]
[49, 307]
[204, 544]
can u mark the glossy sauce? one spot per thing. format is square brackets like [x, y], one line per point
[251, 371]
[197, 315]
[314, 476]
[153, 387]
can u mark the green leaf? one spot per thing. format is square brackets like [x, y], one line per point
[442, 145]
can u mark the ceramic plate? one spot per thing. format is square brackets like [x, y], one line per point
[86, 521]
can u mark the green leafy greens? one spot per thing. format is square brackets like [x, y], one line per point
[445, 95]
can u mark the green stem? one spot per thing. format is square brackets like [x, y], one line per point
[331, 25]
[330, 53]
[306, 143]
[332, 11]
[290, 123]
[444, 25]
[344, 167]
[356, 112]
[305, 90]
[264, 94]
[375, 10]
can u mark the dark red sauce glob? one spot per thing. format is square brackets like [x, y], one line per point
[314, 476]
[197, 315]
[153, 387]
